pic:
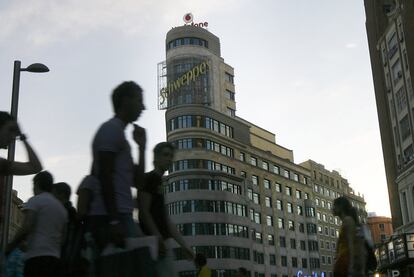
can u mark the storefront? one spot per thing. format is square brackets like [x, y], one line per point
[396, 257]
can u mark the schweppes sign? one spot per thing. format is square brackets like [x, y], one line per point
[184, 80]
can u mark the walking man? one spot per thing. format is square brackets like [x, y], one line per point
[154, 219]
[43, 227]
[113, 167]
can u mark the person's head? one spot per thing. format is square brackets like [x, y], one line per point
[127, 101]
[42, 182]
[8, 129]
[343, 207]
[242, 272]
[163, 155]
[62, 191]
[200, 260]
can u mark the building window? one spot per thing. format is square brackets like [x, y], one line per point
[187, 41]
[279, 205]
[303, 245]
[286, 173]
[268, 201]
[302, 227]
[255, 180]
[401, 100]
[295, 177]
[294, 262]
[242, 157]
[266, 184]
[228, 77]
[291, 225]
[271, 239]
[299, 210]
[269, 220]
[256, 198]
[265, 165]
[229, 95]
[231, 112]
[288, 190]
[278, 187]
[283, 261]
[396, 71]
[282, 242]
[281, 223]
[293, 243]
[298, 194]
[275, 169]
[382, 227]
[243, 173]
[253, 161]
[304, 263]
[258, 237]
[405, 127]
[289, 207]
[272, 259]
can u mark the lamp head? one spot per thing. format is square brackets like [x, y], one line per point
[36, 68]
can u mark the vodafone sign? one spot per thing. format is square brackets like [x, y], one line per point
[188, 19]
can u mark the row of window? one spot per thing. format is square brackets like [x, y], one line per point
[211, 206]
[267, 184]
[255, 197]
[325, 191]
[187, 41]
[327, 245]
[199, 121]
[274, 169]
[324, 204]
[202, 184]
[239, 253]
[201, 164]
[325, 231]
[213, 229]
[217, 252]
[190, 143]
[328, 219]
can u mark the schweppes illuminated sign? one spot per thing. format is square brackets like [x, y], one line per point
[184, 80]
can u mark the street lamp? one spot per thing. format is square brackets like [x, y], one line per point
[34, 68]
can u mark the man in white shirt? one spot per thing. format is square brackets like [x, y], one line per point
[43, 228]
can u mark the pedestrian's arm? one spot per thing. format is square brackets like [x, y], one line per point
[84, 200]
[179, 239]
[144, 206]
[32, 166]
[349, 230]
[140, 138]
[140, 169]
[24, 231]
[106, 162]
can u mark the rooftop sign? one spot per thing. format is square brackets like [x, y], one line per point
[189, 20]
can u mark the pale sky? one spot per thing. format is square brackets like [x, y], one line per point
[302, 71]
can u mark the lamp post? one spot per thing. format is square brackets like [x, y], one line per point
[34, 68]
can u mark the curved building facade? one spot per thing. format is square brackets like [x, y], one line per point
[235, 195]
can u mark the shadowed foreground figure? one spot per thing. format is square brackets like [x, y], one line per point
[201, 265]
[9, 130]
[115, 171]
[153, 217]
[44, 228]
[351, 253]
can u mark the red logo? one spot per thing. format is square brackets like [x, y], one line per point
[188, 18]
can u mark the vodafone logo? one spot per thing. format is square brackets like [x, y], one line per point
[188, 18]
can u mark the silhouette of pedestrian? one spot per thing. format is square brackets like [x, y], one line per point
[114, 169]
[44, 227]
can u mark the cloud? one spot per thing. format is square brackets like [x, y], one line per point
[351, 45]
[42, 22]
